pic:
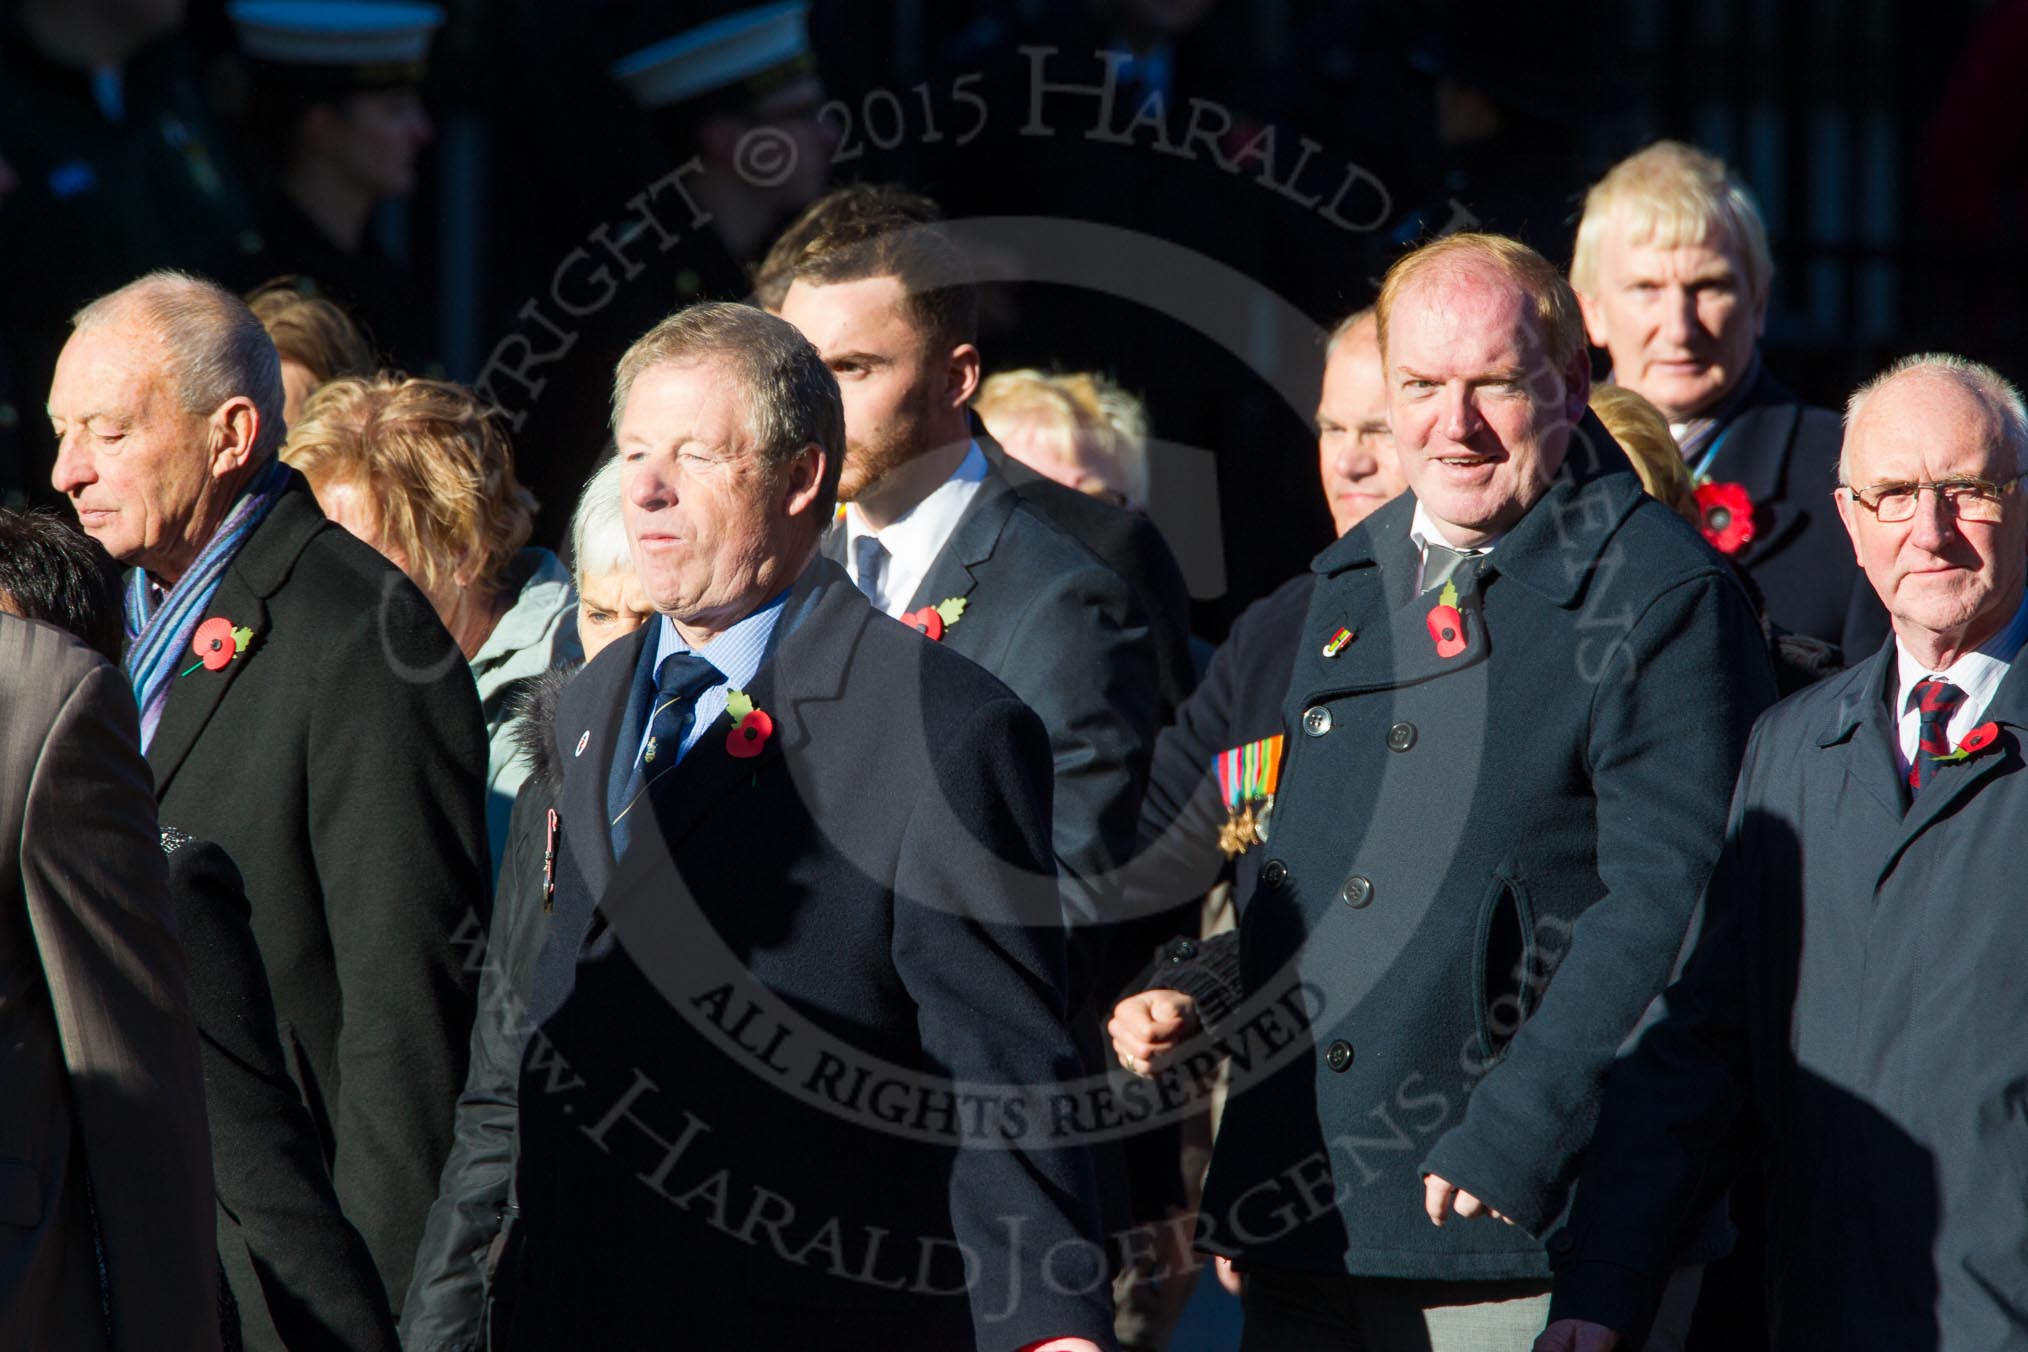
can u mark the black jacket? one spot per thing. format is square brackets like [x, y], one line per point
[340, 761]
[447, 1296]
[1129, 544]
[872, 892]
[1785, 454]
[299, 1273]
[1849, 1022]
[1481, 863]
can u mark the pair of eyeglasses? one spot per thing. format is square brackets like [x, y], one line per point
[1968, 499]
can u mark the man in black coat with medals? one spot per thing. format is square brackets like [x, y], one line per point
[1501, 791]
[805, 949]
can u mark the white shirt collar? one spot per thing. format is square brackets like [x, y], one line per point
[915, 538]
[1978, 673]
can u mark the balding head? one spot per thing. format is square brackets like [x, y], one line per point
[166, 400]
[1951, 574]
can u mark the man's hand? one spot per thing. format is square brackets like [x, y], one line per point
[1440, 1198]
[1148, 1026]
[1576, 1335]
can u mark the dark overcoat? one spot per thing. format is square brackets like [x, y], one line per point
[299, 1273]
[736, 1126]
[1849, 1019]
[1481, 863]
[1784, 453]
[340, 761]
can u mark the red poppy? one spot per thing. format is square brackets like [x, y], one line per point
[214, 644]
[1726, 514]
[751, 734]
[1447, 627]
[1979, 738]
[926, 621]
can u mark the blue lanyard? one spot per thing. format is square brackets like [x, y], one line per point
[1710, 454]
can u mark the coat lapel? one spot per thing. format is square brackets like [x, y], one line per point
[1755, 455]
[783, 688]
[954, 572]
[255, 573]
[587, 733]
[1955, 782]
[1863, 733]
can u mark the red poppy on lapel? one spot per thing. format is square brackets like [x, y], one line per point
[1725, 513]
[217, 642]
[931, 621]
[1975, 741]
[1446, 624]
[750, 735]
[751, 727]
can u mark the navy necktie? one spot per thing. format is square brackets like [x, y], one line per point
[679, 680]
[1935, 702]
[868, 557]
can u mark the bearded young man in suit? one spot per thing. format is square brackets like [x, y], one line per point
[105, 1163]
[303, 709]
[1848, 1017]
[802, 850]
[1673, 271]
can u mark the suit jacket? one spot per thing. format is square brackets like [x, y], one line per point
[1129, 544]
[340, 761]
[1785, 454]
[867, 900]
[104, 1158]
[299, 1273]
[1483, 857]
[1065, 634]
[1849, 1019]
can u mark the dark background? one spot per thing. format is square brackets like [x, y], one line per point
[1886, 141]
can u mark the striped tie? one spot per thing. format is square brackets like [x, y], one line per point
[1935, 701]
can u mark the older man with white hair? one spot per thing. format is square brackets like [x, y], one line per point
[1673, 271]
[1849, 1014]
[301, 706]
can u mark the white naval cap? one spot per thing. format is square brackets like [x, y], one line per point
[759, 47]
[361, 34]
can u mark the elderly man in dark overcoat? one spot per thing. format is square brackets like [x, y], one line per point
[1673, 271]
[303, 709]
[805, 947]
[1849, 1017]
[1521, 695]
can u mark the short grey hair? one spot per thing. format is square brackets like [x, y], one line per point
[1999, 394]
[598, 533]
[214, 348]
[792, 398]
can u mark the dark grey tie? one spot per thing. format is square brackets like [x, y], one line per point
[869, 558]
[1441, 563]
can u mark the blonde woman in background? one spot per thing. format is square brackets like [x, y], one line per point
[1077, 428]
[423, 472]
[316, 339]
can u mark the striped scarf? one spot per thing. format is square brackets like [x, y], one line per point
[159, 626]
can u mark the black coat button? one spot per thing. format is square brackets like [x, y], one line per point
[1338, 1055]
[1274, 873]
[1401, 737]
[1358, 891]
[1183, 950]
[1316, 720]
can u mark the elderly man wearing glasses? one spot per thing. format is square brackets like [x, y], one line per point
[1848, 1018]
